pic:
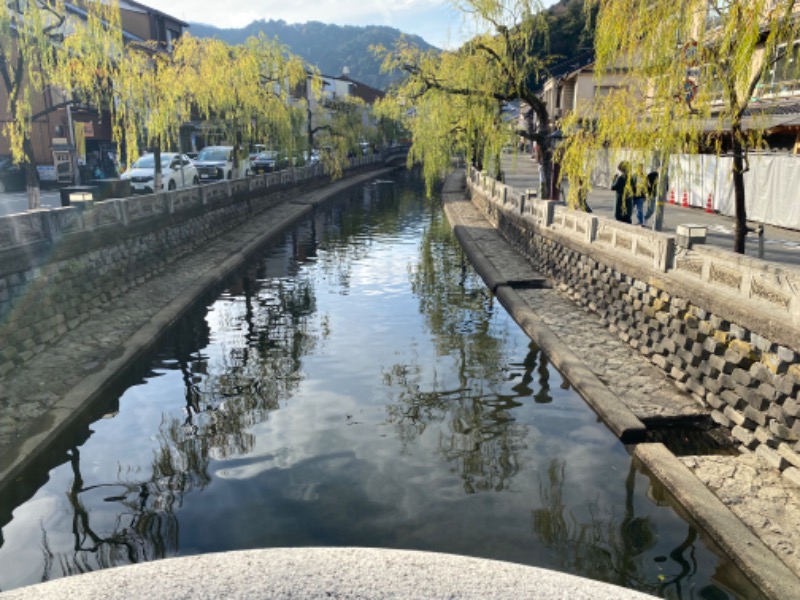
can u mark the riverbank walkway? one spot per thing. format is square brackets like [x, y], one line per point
[744, 504]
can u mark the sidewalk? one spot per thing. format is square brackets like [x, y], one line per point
[781, 245]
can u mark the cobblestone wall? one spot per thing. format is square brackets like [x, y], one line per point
[738, 354]
[59, 267]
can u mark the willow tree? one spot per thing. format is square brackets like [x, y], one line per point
[337, 126]
[250, 96]
[452, 101]
[689, 81]
[243, 89]
[45, 48]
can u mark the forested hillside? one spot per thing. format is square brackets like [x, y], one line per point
[330, 47]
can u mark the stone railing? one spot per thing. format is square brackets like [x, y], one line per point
[56, 265]
[725, 327]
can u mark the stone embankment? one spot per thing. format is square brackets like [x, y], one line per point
[100, 323]
[644, 357]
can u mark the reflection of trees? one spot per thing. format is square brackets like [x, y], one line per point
[264, 336]
[144, 529]
[481, 438]
[351, 226]
[606, 549]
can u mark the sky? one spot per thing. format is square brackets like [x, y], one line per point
[436, 21]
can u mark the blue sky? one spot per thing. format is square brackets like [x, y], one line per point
[435, 20]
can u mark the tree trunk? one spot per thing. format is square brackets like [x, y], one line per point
[544, 149]
[157, 178]
[740, 228]
[237, 149]
[31, 176]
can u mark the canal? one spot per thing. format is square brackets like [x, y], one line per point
[355, 385]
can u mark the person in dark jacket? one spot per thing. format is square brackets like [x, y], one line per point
[652, 194]
[623, 186]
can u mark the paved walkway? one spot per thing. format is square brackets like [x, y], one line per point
[744, 504]
[780, 245]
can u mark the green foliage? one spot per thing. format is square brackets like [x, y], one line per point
[43, 46]
[683, 76]
[244, 88]
[451, 101]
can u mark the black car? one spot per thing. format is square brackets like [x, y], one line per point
[12, 177]
[264, 162]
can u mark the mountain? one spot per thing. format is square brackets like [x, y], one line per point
[331, 48]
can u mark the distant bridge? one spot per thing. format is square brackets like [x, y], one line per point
[396, 155]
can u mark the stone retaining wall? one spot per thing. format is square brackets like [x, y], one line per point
[724, 327]
[59, 266]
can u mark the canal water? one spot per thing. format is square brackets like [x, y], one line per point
[356, 385]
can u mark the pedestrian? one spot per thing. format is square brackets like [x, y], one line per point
[639, 185]
[652, 194]
[623, 207]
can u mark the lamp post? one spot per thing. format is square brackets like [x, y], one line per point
[556, 140]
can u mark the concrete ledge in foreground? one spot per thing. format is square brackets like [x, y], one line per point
[325, 573]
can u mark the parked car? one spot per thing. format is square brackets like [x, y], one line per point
[255, 150]
[216, 162]
[265, 162]
[177, 171]
[12, 177]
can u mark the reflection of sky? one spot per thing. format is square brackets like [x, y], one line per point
[329, 466]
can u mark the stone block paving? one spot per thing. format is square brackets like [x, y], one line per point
[640, 385]
[757, 494]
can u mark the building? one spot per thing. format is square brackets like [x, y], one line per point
[67, 137]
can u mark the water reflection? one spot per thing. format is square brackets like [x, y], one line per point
[617, 548]
[357, 384]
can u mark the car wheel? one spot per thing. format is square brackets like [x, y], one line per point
[172, 185]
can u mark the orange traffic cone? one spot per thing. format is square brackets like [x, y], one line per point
[672, 196]
[709, 205]
[685, 200]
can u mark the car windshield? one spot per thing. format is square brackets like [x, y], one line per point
[217, 154]
[149, 162]
[266, 155]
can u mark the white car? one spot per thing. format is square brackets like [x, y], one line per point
[177, 171]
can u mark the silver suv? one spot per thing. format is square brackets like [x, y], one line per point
[216, 162]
